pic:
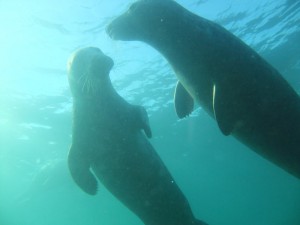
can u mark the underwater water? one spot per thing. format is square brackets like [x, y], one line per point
[225, 182]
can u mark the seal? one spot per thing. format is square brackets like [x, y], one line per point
[247, 97]
[108, 144]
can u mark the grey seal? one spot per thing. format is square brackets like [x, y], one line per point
[247, 97]
[108, 144]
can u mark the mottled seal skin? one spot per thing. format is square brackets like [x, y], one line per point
[245, 95]
[108, 143]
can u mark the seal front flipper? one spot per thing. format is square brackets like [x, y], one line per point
[79, 167]
[143, 120]
[226, 109]
[184, 102]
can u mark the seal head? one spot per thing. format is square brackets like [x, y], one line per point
[153, 15]
[88, 72]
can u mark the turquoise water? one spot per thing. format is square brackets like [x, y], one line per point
[225, 182]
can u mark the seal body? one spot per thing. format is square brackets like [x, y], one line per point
[245, 95]
[108, 144]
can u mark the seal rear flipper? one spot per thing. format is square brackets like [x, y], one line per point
[184, 102]
[225, 109]
[143, 121]
[79, 168]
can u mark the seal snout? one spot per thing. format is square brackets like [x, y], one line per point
[100, 66]
[115, 29]
[123, 28]
[108, 62]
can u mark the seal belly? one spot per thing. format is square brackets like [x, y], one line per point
[137, 177]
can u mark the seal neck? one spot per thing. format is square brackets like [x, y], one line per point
[100, 89]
